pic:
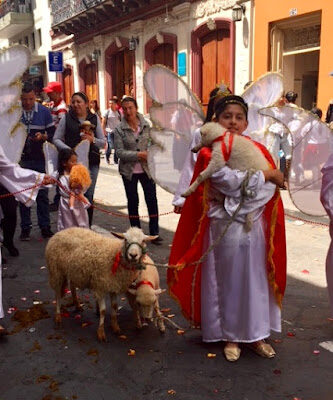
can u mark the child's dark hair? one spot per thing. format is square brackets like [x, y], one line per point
[63, 157]
[222, 104]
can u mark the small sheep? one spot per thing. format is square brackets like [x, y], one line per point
[93, 261]
[143, 295]
[244, 155]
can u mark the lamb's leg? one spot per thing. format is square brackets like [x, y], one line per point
[114, 309]
[160, 321]
[136, 312]
[76, 302]
[57, 318]
[100, 331]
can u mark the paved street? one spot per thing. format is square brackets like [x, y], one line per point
[38, 362]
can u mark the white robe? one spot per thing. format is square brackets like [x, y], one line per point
[326, 197]
[14, 178]
[237, 303]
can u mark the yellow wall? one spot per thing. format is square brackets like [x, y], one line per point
[267, 11]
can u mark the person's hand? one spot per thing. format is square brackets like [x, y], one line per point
[177, 209]
[274, 176]
[142, 155]
[39, 136]
[87, 136]
[48, 180]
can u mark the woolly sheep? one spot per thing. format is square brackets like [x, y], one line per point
[244, 155]
[86, 259]
[143, 295]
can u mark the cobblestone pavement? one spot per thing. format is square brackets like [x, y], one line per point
[39, 362]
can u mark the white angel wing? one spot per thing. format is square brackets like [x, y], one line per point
[264, 92]
[51, 158]
[13, 63]
[82, 151]
[177, 117]
[312, 145]
[164, 86]
[166, 158]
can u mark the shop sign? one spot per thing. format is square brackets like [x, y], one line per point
[56, 63]
[182, 64]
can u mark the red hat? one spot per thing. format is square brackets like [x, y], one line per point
[53, 87]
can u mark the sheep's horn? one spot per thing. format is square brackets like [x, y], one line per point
[118, 235]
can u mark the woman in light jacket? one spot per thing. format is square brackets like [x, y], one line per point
[131, 141]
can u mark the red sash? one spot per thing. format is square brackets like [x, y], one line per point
[187, 247]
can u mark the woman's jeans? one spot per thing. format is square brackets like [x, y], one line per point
[149, 189]
[110, 141]
[93, 169]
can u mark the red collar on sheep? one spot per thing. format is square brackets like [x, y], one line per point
[137, 285]
[226, 152]
[117, 263]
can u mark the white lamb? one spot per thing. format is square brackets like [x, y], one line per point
[87, 260]
[244, 156]
[143, 296]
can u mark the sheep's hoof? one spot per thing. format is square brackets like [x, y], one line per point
[57, 321]
[101, 334]
[161, 326]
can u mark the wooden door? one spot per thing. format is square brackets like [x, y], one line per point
[68, 85]
[91, 81]
[215, 62]
[123, 82]
[163, 54]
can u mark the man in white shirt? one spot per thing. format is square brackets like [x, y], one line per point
[111, 119]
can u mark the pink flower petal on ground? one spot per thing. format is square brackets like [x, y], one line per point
[67, 291]
[43, 267]
[277, 372]
[305, 271]
[9, 311]
[37, 291]
[77, 316]
[330, 319]
[316, 352]
[291, 334]
[23, 298]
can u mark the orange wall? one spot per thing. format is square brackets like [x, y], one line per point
[267, 11]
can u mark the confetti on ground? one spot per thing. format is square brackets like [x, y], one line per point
[277, 341]
[215, 391]
[305, 271]
[316, 352]
[166, 309]
[67, 291]
[77, 316]
[131, 352]
[23, 298]
[291, 334]
[43, 267]
[92, 352]
[36, 302]
[211, 355]
[327, 346]
[123, 299]
[330, 319]
[180, 332]
[277, 372]
[171, 315]
[85, 324]
[171, 392]
[37, 291]
[65, 314]
[123, 337]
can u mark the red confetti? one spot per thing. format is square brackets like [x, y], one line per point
[215, 391]
[316, 352]
[277, 372]
[65, 314]
[297, 398]
[37, 291]
[78, 316]
[305, 271]
[67, 291]
[291, 334]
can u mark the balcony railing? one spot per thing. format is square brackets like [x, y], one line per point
[17, 6]
[63, 10]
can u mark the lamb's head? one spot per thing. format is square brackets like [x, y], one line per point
[210, 132]
[145, 297]
[135, 244]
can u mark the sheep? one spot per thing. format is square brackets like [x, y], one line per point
[143, 295]
[243, 155]
[92, 261]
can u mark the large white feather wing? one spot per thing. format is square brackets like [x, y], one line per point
[312, 145]
[51, 158]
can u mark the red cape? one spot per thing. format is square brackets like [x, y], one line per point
[187, 247]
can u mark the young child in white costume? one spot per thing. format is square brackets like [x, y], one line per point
[15, 179]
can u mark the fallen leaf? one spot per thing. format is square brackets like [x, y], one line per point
[165, 309]
[123, 299]
[122, 337]
[171, 315]
[43, 378]
[171, 392]
[54, 386]
[92, 352]
[180, 332]
[131, 352]
[211, 355]
[43, 267]
[277, 341]
[330, 319]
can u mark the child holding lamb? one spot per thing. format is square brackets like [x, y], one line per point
[236, 293]
[75, 180]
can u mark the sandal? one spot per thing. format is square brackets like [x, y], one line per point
[232, 352]
[3, 331]
[262, 348]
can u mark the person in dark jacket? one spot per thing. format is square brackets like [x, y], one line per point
[68, 136]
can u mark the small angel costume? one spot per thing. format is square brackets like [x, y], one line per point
[68, 218]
